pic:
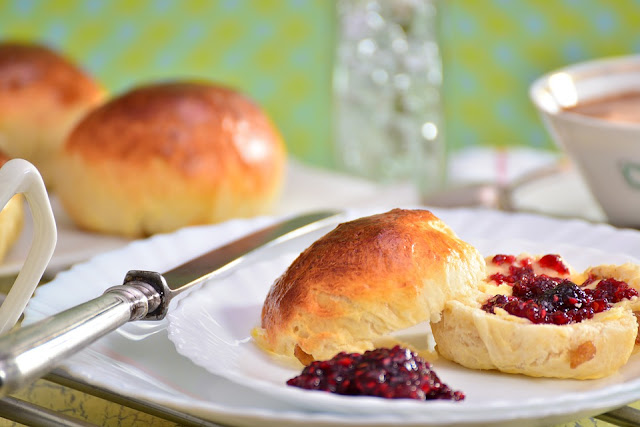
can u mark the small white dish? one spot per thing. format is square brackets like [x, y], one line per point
[18, 176]
[606, 152]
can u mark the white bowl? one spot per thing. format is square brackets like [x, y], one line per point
[607, 153]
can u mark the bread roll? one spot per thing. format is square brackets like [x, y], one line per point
[168, 155]
[42, 95]
[11, 219]
[363, 280]
[628, 273]
[592, 348]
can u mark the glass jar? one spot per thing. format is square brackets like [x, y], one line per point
[388, 117]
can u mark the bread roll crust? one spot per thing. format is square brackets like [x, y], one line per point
[30, 74]
[169, 155]
[363, 280]
[11, 224]
[11, 219]
[42, 96]
[593, 348]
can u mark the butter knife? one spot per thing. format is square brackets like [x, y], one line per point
[30, 352]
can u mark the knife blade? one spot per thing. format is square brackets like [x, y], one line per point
[30, 352]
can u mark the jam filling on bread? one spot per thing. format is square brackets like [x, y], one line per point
[395, 373]
[543, 298]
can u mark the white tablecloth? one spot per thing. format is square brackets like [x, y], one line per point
[563, 194]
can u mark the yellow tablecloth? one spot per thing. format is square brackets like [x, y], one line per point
[85, 407]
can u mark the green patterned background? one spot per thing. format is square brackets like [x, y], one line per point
[279, 52]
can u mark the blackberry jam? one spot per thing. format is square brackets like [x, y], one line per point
[395, 373]
[555, 300]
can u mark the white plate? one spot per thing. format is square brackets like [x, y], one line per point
[212, 328]
[74, 245]
[152, 371]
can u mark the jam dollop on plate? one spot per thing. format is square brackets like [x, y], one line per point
[394, 373]
[555, 300]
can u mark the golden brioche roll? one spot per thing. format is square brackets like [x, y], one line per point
[42, 96]
[628, 273]
[169, 155]
[592, 348]
[363, 280]
[11, 219]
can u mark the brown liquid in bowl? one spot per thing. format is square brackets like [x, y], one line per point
[623, 108]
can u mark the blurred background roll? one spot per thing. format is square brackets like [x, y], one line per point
[42, 95]
[167, 155]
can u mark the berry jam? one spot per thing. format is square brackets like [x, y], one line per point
[521, 268]
[395, 373]
[553, 262]
[545, 299]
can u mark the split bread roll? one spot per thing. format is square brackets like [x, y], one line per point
[169, 155]
[591, 348]
[362, 281]
[42, 96]
[11, 219]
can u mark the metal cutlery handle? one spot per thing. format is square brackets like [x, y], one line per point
[31, 351]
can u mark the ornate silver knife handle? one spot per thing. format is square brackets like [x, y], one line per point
[30, 352]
